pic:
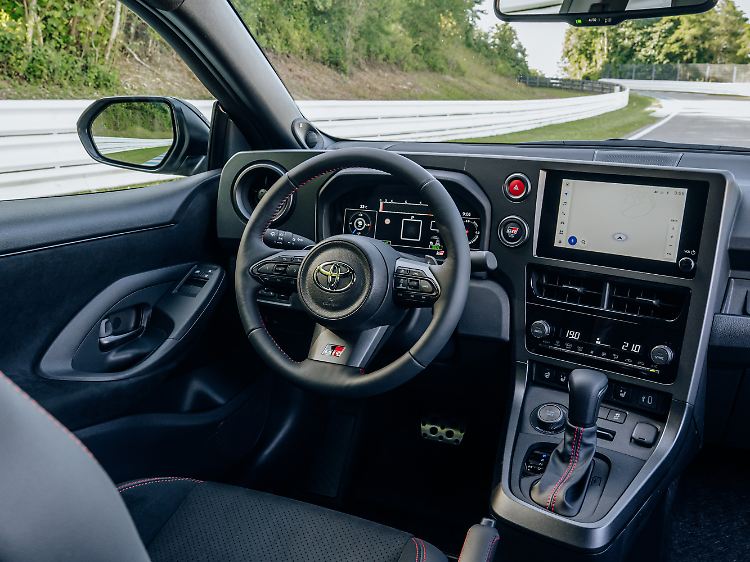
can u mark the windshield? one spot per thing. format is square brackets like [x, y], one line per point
[449, 70]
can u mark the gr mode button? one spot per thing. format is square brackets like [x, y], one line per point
[513, 231]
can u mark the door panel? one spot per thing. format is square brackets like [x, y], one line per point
[57, 255]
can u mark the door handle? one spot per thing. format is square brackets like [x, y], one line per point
[123, 326]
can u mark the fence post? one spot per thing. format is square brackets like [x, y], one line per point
[653, 72]
[633, 72]
[734, 73]
[678, 71]
[708, 72]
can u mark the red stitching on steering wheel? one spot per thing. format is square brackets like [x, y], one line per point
[295, 190]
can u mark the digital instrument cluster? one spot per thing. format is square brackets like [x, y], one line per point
[405, 224]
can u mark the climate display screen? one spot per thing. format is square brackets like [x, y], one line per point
[640, 221]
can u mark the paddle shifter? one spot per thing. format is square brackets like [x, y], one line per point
[563, 485]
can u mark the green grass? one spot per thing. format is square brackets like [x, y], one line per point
[615, 124]
[137, 156]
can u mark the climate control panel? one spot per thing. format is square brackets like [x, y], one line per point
[607, 323]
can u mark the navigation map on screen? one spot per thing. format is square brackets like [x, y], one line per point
[638, 221]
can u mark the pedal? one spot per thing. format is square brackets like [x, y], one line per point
[448, 432]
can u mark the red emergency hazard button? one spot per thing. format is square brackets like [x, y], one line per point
[517, 187]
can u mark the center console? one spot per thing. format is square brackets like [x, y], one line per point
[618, 279]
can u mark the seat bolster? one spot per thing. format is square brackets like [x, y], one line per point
[56, 502]
[152, 501]
[417, 550]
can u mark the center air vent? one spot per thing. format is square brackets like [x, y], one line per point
[605, 293]
[568, 288]
[252, 184]
[645, 300]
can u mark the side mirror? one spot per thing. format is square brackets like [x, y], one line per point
[596, 12]
[146, 133]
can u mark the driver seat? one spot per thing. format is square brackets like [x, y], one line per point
[57, 503]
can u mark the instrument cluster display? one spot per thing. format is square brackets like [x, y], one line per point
[405, 224]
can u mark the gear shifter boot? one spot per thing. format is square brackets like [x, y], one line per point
[563, 485]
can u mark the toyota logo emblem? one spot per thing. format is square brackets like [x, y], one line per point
[334, 276]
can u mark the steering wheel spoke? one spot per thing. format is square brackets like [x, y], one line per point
[279, 271]
[350, 348]
[415, 284]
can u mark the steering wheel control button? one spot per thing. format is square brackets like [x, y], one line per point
[686, 265]
[549, 418]
[662, 355]
[413, 287]
[279, 273]
[513, 231]
[540, 329]
[517, 187]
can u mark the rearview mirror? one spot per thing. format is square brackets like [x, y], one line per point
[149, 134]
[596, 12]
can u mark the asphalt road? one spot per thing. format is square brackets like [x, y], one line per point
[700, 119]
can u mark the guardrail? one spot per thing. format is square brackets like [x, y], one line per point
[40, 153]
[593, 86]
[716, 88]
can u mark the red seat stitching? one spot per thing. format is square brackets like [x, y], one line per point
[416, 547]
[491, 550]
[138, 483]
[424, 550]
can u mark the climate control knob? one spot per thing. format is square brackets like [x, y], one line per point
[540, 329]
[662, 355]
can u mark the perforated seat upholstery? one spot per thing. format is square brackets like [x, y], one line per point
[183, 519]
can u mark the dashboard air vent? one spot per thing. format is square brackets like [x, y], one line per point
[252, 184]
[648, 301]
[564, 287]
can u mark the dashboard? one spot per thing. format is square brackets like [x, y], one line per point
[606, 265]
[627, 262]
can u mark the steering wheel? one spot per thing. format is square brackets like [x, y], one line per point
[357, 289]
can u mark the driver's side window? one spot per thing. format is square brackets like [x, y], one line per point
[58, 55]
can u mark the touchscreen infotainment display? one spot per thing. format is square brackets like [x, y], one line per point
[632, 220]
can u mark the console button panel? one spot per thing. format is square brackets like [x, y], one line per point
[626, 396]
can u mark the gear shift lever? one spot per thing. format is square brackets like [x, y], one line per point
[563, 485]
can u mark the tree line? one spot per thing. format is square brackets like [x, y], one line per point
[80, 43]
[720, 36]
